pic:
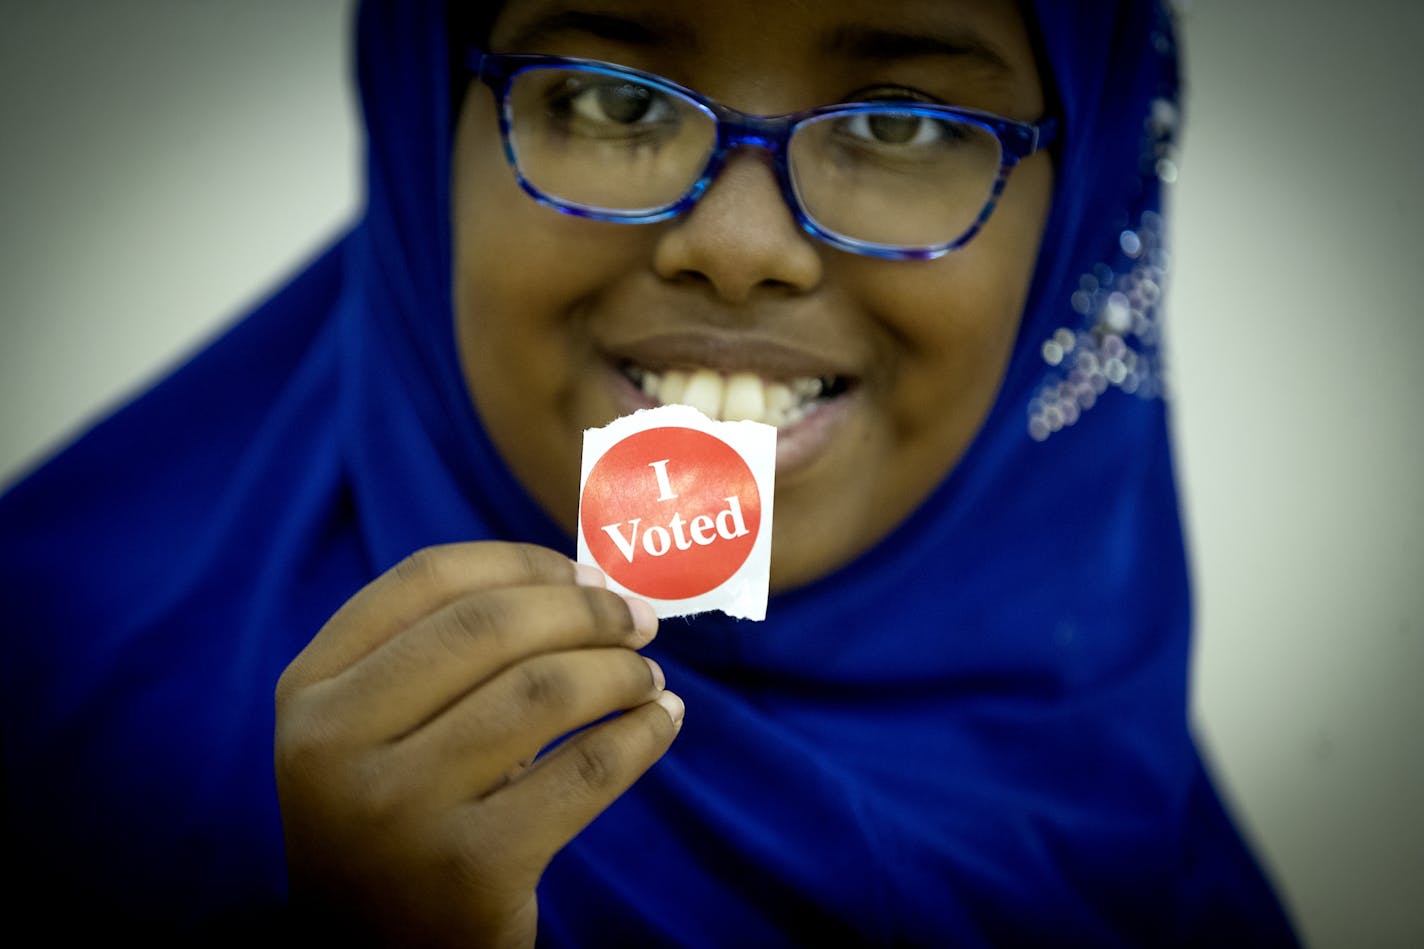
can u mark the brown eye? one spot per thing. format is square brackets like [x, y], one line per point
[617, 103]
[625, 102]
[894, 129]
[897, 129]
[604, 106]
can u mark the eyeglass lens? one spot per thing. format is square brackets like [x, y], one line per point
[607, 142]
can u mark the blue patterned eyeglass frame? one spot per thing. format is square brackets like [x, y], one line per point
[1017, 141]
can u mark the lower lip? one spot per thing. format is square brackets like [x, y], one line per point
[797, 446]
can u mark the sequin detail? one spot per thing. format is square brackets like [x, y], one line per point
[1120, 347]
[1115, 342]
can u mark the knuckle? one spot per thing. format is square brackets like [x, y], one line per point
[421, 568]
[301, 746]
[535, 562]
[545, 685]
[597, 764]
[288, 683]
[606, 610]
[378, 793]
[473, 619]
[310, 739]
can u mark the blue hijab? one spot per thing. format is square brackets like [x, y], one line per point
[974, 734]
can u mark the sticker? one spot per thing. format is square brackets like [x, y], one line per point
[676, 509]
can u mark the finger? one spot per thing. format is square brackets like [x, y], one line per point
[513, 773]
[564, 791]
[422, 583]
[412, 677]
[470, 749]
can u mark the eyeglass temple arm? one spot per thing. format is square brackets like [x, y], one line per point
[1028, 139]
[1047, 132]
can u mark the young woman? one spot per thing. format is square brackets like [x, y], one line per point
[925, 237]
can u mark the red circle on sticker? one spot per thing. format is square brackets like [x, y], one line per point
[670, 513]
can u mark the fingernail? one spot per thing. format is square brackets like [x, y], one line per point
[586, 575]
[673, 706]
[659, 680]
[645, 620]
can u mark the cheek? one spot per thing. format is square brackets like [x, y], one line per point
[498, 248]
[525, 280]
[953, 323]
[957, 346]
[498, 307]
[954, 330]
[521, 269]
[513, 326]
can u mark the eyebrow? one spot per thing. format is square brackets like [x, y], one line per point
[656, 30]
[876, 44]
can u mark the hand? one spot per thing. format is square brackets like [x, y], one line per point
[406, 728]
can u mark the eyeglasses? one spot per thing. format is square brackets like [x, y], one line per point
[901, 180]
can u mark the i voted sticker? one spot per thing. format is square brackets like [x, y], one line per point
[676, 508]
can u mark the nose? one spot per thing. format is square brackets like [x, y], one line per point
[740, 238]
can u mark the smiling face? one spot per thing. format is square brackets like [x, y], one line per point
[878, 373]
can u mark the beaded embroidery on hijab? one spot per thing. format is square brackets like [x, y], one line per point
[973, 734]
[1118, 339]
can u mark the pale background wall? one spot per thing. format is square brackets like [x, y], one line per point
[163, 163]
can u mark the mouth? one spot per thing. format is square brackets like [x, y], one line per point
[738, 395]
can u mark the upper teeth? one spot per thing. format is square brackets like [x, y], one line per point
[739, 396]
